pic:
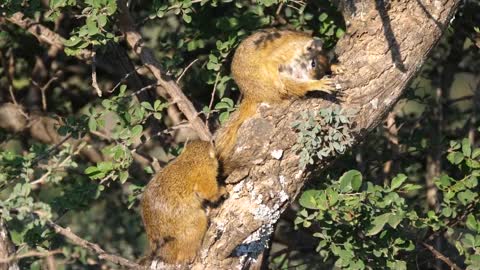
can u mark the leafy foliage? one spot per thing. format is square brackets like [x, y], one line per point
[323, 133]
[368, 226]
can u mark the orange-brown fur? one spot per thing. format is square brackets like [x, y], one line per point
[172, 204]
[272, 66]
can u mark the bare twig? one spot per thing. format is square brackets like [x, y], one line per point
[102, 254]
[135, 41]
[52, 149]
[126, 77]
[43, 89]
[441, 257]
[165, 131]
[94, 74]
[212, 97]
[8, 68]
[30, 254]
[145, 88]
[185, 70]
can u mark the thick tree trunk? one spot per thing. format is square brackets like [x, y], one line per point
[386, 44]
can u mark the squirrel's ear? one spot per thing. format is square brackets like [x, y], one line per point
[317, 44]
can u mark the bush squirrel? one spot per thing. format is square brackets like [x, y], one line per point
[271, 66]
[172, 204]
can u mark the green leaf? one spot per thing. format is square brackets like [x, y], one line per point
[465, 197]
[466, 147]
[102, 20]
[411, 187]
[92, 26]
[468, 240]
[308, 199]
[454, 145]
[72, 41]
[472, 223]
[476, 153]
[92, 124]
[221, 105]
[323, 17]
[157, 104]
[91, 169]
[136, 130]
[395, 219]
[147, 105]
[223, 117]
[123, 176]
[378, 224]
[397, 265]
[398, 181]
[187, 18]
[105, 166]
[455, 157]
[351, 180]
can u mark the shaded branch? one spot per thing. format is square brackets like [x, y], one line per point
[42, 33]
[95, 248]
[441, 257]
[30, 254]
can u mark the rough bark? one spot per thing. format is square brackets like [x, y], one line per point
[386, 44]
[7, 249]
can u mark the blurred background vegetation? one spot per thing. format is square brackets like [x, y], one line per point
[80, 160]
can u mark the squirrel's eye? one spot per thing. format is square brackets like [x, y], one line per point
[314, 63]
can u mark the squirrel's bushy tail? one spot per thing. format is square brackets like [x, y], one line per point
[227, 136]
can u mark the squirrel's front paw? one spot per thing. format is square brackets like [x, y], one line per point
[329, 85]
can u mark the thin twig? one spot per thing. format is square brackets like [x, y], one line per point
[94, 74]
[29, 254]
[126, 77]
[185, 70]
[212, 97]
[43, 89]
[102, 254]
[52, 149]
[441, 257]
[165, 131]
[60, 165]
[145, 88]
[8, 68]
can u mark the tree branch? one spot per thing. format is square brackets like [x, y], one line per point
[135, 41]
[42, 33]
[441, 257]
[28, 255]
[102, 254]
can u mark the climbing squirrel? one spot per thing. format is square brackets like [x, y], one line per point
[172, 205]
[271, 66]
